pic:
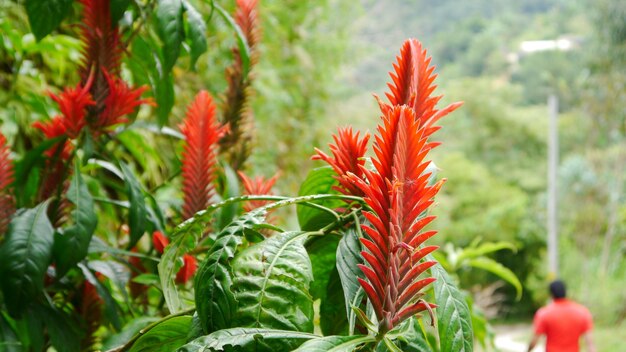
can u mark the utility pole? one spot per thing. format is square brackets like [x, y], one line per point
[553, 162]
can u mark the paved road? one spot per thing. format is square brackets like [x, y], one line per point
[514, 338]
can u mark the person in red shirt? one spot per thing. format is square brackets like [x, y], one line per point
[563, 322]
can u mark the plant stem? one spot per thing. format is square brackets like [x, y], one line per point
[143, 331]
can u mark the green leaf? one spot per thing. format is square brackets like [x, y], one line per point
[410, 336]
[137, 213]
[323, 254]
[335, 343]
[127, 333]
[390, 345]
[348, 257]
[215, 302]
[71, 244]
[169, 15]
[169, 266]
[318, 181]
[166, 336]
[243, 337]
[196, 32]
[9, 341]
[65, 334]
[24, 258]
[117, 9]
[46, 15]
[454, 320]
[271, 283]
[242, 43]
[147, 279]
[499, 270]
[333, 319]
[164, 90]
[485, 248]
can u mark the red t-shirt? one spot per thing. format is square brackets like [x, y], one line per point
[563, 322]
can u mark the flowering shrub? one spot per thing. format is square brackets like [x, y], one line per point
[90, 257]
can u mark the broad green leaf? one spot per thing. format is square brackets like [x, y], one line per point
[137, 213]
[391, 347]
[242, 43]
[147, 279]
[335, 343]
[485, 248]
[169, 15]
[65, 333]
[499, 270]
[333, 319]
[323, 254]
[454, 320]
[244, 337]
[24, 258]
[127, 333]
[117, 9]
[410, 336]
[318, 181]
[46, 15]
[348, 257]
[271, 284]
[71, 244]
[9, 341]
[166, 336]
[196, 32]
[215, 302]
[169, 266]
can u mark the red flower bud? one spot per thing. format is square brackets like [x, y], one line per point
[159, 241]
[190, 265]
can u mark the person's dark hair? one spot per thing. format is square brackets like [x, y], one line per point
[557, 289]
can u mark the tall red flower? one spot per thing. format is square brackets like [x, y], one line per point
[101, 39]
[73, 103]
[120, 101]
[348, 157]
[258, 186]
[398, 193]
[235, 145]
[7, 202]
[202, 132]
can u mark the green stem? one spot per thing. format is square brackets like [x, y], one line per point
[142, 332]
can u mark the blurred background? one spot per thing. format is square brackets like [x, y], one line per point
[320, 62]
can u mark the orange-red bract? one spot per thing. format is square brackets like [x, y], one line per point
[348, 157]
[7, 202]
[202, 132]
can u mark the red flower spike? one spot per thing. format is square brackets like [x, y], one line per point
[398, 193]
[258, 186]
[73, 103]
[120, 101]
[90, 310]
[186, 272]
[348, 157]
[202, 132]
[413, 83]
[101, 39]
[236, 112]
[159, 241]
[7, 202]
